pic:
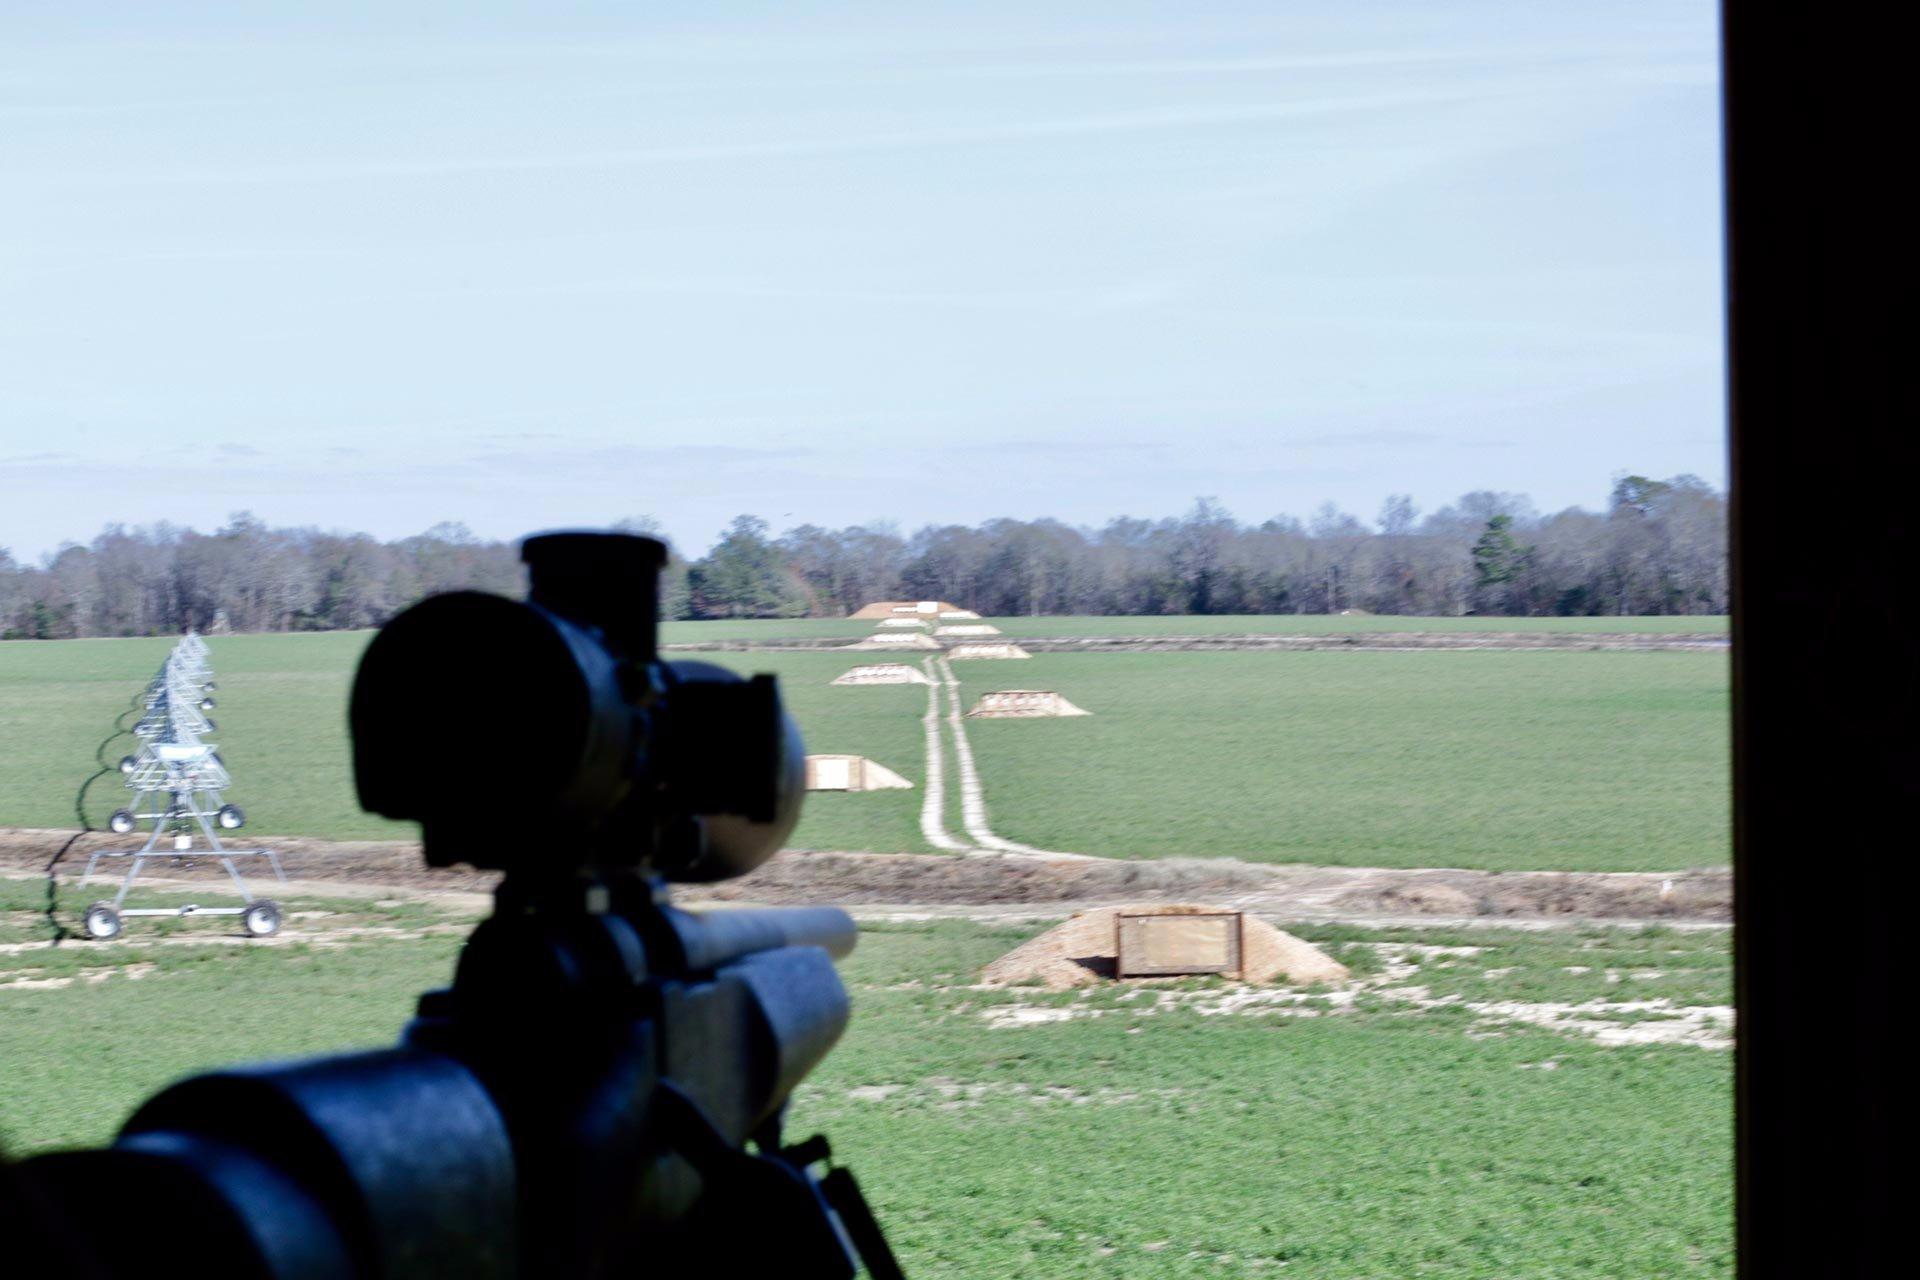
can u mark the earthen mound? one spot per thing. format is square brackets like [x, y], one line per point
[908, 640]
[965, 652]
[899, 608]
[883, 673]
[1080, 952]
[1021, 704]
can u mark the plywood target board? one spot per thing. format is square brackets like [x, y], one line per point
[1150, 945]
[851, 773]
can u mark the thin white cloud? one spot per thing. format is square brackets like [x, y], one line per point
[1184, 117]
[1344, 60]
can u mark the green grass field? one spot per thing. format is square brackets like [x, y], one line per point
[1133, 1132]
[282, 729]
[1502, 760]
[283, 733]
[1479, 1103]
[1505, 761]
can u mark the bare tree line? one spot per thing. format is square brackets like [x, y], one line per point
[1659, 547]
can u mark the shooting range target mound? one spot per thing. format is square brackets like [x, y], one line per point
[911, 640]
[904, 609]
[1023, 704]
[1085, 950]
[883, 673]
[903, 624]
[968, 652]
[852, 773]
[968, 629]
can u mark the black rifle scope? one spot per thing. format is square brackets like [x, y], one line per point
[522, 735]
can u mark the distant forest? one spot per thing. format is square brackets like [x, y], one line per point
[1659, 547]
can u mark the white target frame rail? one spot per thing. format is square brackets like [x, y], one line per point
[179, 783]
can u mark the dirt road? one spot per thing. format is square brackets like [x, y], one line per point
[1010, 885]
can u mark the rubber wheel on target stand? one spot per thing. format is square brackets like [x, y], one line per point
[261, 919]
[101, 922]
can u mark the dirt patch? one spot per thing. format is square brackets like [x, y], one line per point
[1080, 953]
[946, 1094]
[1415, 900]
[31, 979]
[1614, 1024]
[1007, 879]
[382, 863]
[1278, 892]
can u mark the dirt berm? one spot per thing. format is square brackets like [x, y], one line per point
[1082, 951]
[909, 879]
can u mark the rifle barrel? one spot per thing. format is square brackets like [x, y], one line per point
[713, 938]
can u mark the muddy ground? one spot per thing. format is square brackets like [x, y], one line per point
[1013, 885]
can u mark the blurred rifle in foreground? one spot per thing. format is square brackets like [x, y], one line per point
[602, 1088]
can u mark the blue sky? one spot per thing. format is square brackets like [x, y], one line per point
[375, 268]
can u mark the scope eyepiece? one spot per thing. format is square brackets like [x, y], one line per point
[548, 736]
[605, 580]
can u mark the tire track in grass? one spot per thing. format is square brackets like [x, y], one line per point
[973, 799]
[933, 802]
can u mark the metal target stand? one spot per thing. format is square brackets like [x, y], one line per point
[178, 783]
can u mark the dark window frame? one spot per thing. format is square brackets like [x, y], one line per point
[1820, 274]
